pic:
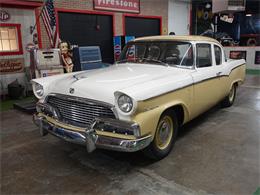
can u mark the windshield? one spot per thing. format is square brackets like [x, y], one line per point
[170, 53]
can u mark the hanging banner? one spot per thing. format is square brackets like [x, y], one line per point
[8, 66]
[132, 6]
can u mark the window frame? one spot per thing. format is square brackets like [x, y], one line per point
[221, 54]
[19, 40]
[196, 54]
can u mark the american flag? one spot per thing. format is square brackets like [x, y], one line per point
[49, 20]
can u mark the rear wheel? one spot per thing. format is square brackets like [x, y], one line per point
[164, 137]
[230, 98]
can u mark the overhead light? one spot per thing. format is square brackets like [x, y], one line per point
[248, 15]
[208, 6]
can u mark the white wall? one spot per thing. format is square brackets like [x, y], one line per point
[25, 17]
[179, 16]
[250, 55]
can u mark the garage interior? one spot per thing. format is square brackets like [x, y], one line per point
[215, 153]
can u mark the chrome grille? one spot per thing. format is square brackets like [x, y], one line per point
[78, 111]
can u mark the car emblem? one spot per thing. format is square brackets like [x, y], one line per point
[72, 90]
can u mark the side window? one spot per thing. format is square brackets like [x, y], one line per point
[203, 56]
[218, 54]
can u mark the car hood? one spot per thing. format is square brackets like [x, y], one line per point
[140, 81]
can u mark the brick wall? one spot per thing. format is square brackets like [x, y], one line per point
[148, 8]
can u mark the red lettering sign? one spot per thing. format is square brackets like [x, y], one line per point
[4, 15]
[132, 6]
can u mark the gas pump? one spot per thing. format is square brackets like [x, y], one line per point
[45, 62]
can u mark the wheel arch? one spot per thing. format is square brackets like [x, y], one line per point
[181, 111]
[236, 82]
[148, 119]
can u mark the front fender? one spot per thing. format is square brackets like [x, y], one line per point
[149, 119]
[150, 111]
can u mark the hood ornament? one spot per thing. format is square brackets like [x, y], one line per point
[75, 77]
[71, 90]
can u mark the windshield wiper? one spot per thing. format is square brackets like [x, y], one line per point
[141, 60]
[154, 60]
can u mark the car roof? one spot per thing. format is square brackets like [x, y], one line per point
[177, 38]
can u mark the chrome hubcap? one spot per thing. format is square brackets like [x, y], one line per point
[232, 94]
[164, 133]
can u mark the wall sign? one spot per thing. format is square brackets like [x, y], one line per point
[132, 6]
[117, 47]
[11, 65]
[237, 55]
[257, 57]
[226, 18]
[4, 15]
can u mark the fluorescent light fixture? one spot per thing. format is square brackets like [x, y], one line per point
[248, 15]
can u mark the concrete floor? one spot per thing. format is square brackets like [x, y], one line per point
[217, 153]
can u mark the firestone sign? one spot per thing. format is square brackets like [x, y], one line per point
[132, 6]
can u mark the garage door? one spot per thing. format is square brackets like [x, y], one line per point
[88, 30]
[139, 27]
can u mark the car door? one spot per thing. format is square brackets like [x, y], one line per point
[222, 71]
[206, 79]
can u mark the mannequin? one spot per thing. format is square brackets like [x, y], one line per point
[66, 56]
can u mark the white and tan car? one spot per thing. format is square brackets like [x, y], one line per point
[159, 84]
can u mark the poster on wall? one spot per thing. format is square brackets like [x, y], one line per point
[257, 57]
[117, 47]
[132, 6]
[8, 66]
[237, 55]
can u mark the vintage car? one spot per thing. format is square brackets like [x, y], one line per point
[159, 84]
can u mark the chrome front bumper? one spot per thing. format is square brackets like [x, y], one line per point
[90, 138]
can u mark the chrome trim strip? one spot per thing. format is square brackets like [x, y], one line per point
[194, 83]
[237, 67]
[79, 99]
[123, 145]
[168, 92]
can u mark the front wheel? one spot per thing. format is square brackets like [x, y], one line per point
[165, 136]
[230, 98]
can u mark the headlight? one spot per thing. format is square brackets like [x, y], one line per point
[125, 103]
[38, 90]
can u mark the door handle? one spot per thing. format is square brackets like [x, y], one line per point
[218, 73]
